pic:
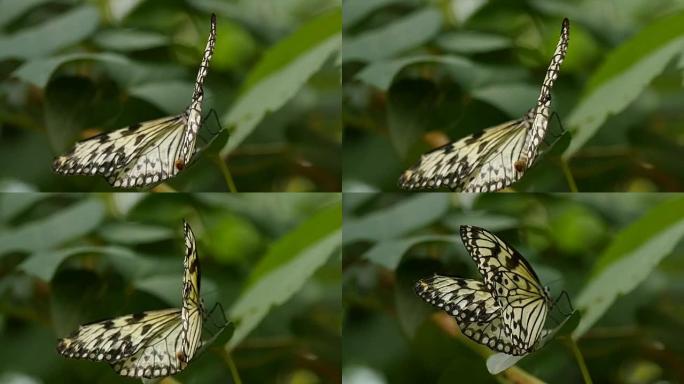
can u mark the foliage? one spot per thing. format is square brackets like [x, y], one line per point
[72, 69]
[618, 256]
[78, 258]
[418, 74]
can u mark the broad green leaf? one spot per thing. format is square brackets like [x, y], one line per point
[12, 204]
[492, 222]
[134, 233]
[355, 10]
[316, 228]
[625, 73]
[405, 216]
[282, 71]
[513, 98]
[393, 38]
[389, 253]
[282, 274]
[38, 71]
[43, 264]
[129, 40]
[381, 73]
[629, 259]
[469, 42]
[173, 97]
[68, 224]
[57, 33]
[12, 9]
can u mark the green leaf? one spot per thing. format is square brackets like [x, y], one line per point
[134, 233]
[43, 264]
[629, 259]
[514, 99]
[393, 38]
[405, 216]
[625, 73]
[12, 204]
[282, 71]
[284, 270]
[389, 253]
[129, 40]
[355, 10]
[381, 73]
[173, 97]
[13, 9]
[70, 223]
[469, 42]
[57, 33]
[38, 71]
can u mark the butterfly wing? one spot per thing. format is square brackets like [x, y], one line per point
[139, 155]
[147, 153]
[119, 338]
[512, 282]
[192, 311]
[194, 111]
[476, 311]
[542, 110]
[482, 162]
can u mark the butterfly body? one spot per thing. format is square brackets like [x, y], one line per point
[506, 311]
[143, 154]
[148, 344]
[496, 157]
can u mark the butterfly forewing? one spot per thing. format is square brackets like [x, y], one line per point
[542, 111]
[475, 309]
[143, 154]
[191, 313]
[496, 157]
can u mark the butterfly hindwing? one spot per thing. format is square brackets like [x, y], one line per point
[118, 338]
[471, 164]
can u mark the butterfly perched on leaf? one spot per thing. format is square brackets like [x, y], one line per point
[496, 157]
[143, 154]
[506, 310]
[148, 344]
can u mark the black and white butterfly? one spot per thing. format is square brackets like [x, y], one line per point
[146, 153]
[148, 344]
[496, 157]
[506, 311]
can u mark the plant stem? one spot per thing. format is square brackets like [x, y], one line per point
[226, 173]
[231, 365]
[580, 359]
[568, 175]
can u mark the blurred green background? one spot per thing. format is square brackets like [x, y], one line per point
[271, 260]
[70, 69]
[420, 73]
[620, 257]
